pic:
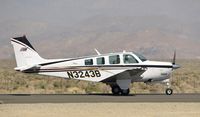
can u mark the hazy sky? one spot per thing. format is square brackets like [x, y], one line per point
[66, 12]
[25, 14]
[44, 19]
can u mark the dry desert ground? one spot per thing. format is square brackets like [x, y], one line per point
[101, 110]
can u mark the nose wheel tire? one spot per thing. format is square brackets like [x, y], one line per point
[169, 91]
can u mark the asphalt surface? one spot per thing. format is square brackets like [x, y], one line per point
[96, 98]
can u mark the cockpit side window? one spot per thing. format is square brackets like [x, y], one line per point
[89, 62]
[129, 59]
[115, 59]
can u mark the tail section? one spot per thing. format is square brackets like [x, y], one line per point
[25, 54]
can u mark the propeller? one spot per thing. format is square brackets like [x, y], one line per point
[174, 65]
[174, 58]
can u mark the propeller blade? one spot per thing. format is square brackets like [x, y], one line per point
[175, 66]
[174, 58]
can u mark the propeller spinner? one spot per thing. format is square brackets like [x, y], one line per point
[175, 66]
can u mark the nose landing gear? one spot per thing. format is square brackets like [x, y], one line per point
[168, 91]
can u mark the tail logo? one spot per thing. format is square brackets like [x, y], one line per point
[23, 49]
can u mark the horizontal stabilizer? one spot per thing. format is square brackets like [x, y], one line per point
[25, 68]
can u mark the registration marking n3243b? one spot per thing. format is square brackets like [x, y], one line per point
[84, 74]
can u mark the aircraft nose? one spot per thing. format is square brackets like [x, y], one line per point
[175, 66]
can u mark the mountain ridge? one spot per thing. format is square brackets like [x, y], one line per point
[110, 34]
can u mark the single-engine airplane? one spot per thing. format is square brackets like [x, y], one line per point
[118, 70]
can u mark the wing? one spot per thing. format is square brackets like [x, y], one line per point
[127, 74]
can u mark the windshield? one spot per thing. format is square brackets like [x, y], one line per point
[142, 58]
[129, 59]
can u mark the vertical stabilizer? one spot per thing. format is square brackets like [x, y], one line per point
[25, 54]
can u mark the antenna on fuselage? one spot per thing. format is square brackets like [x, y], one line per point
[97, 51]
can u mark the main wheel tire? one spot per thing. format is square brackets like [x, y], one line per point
[116, 90]
[125, 91]
[169, 91]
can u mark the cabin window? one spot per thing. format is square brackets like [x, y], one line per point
[129, 59]
[88, 62]
[100, 61]
[114, 59]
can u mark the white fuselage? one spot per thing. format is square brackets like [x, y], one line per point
[74, 68]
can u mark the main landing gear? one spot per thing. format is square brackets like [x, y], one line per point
[116, 90]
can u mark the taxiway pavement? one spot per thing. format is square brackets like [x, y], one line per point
[96, 98]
